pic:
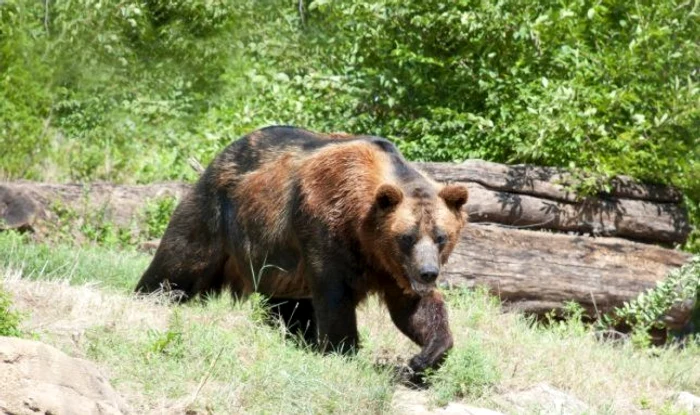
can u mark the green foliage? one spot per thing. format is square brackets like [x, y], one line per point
[9, 318]
[569, 322]
[693, 207]
[129, 90]
[258, 308]
[647, 310]
[157, 216]
[551, 83]
[93, 227]
[170, 341]
[468, 372]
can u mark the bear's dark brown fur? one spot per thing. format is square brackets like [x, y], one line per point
[318, 222]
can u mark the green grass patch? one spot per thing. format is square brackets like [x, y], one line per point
[9, 318]
[245, 366]
[469, 372]
[115, 269]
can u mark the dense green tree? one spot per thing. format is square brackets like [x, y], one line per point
[128, 90]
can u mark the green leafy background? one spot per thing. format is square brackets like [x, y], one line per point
[128, 90]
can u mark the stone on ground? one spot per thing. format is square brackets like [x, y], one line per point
[411, 402]
[686, 401]
[543, 399]
[36, 378]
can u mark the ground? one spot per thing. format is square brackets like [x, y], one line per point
[220, 357]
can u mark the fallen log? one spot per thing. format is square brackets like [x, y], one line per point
[626, 218]
[26, 204]
[519, 196]
[548, 182]
[540, 198]
[537, 272]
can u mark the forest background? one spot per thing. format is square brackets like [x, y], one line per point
[129, 90]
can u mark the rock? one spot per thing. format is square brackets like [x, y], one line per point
[542, 399]
[17, 209]
[413, 402]
[686, 401]
[39, 379]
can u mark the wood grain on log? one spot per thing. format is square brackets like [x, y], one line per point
[548, 182]
[534, 197]
[633, 219]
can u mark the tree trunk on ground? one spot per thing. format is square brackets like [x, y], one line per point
[537, 198]
[537, 272]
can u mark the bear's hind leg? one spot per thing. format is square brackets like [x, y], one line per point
[297, 316]
[334, 306]
[192, 267]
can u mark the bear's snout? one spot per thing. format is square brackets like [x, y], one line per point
[426, 266]
[429, 273]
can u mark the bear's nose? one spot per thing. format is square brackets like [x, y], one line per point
[429, 273]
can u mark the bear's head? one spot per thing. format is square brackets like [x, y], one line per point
[414, 229]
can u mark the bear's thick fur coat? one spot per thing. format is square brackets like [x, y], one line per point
[317, 222]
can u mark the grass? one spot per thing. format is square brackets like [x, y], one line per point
[248, 367]
[220, 357]
[9, 318]
[116, 269]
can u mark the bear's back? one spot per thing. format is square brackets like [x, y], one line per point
[268, 144]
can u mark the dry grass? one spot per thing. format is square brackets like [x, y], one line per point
[610, 378]
[213, 358]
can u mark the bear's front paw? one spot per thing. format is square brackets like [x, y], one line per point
[408, 377]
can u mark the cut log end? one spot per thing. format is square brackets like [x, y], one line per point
[17, 210]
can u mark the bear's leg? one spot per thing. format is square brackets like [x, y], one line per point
[297, 315]
[335, 315]
[191, 254]
[191, 274]
[185, 263]
[423, 320]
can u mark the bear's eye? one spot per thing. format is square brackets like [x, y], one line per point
[441, 239]
[407, 240]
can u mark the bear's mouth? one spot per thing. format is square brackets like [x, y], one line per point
[422, 288]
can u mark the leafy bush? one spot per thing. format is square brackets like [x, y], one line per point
[469, 371]
[157, 216]
[129, 90]
[647, 310]
[9, 319]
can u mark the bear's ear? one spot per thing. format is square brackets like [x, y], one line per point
[454, 195]
[388, 196]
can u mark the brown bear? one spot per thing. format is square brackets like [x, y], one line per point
[317, 222]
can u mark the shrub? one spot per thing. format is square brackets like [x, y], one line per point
[129, 90]
[157, 216]
[469, 371]
[647, 310]
[9, 318]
